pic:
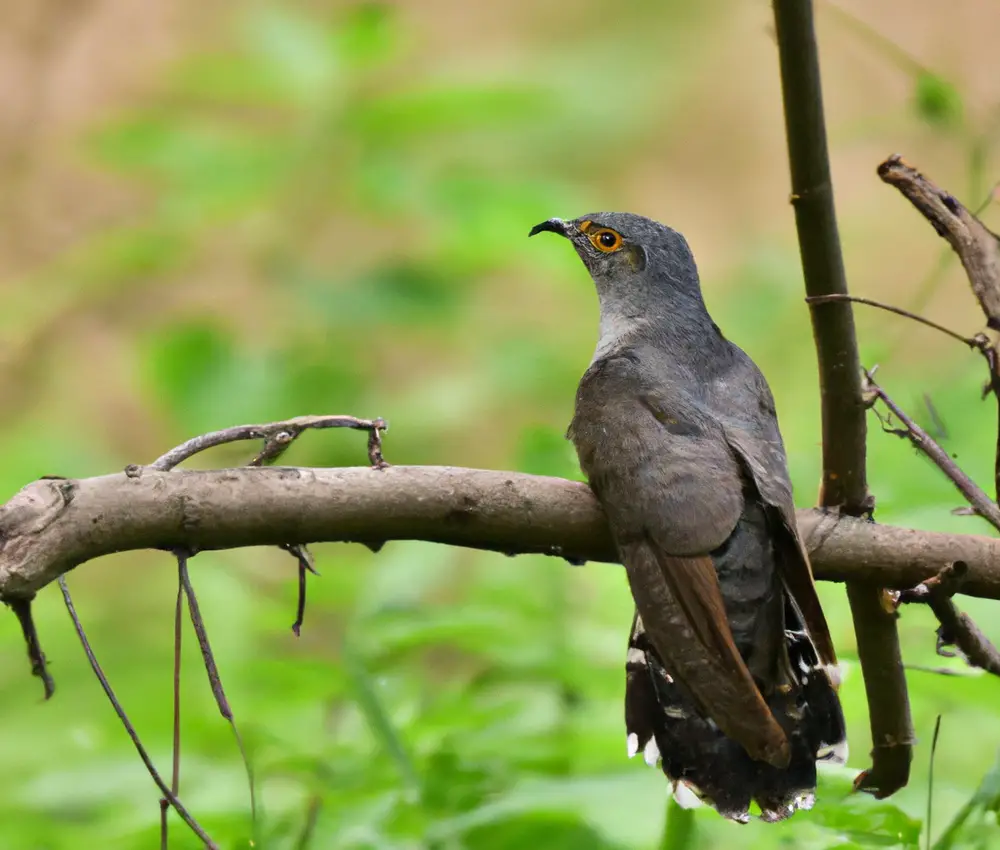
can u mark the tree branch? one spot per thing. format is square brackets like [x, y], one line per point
[52, 526]
[844, 484]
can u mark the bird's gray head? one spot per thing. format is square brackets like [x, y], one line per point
[644, 271]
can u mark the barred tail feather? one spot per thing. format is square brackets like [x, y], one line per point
[698, 759]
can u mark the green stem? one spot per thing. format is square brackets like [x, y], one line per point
[678, 831]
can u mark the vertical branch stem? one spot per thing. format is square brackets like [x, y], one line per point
[844, 484]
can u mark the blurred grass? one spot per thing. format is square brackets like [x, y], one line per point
[325, 216]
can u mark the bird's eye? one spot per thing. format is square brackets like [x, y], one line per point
[606, 240]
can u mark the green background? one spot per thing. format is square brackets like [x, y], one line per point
[225, 214]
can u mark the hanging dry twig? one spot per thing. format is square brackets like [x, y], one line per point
[127, 724]
[175, 773]
[307, 564]
[21, 606]
[214, 679]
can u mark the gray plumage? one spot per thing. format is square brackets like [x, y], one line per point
[730, 659]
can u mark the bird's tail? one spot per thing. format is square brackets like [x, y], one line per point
[665, 726]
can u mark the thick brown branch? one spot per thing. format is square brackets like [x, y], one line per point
[51, 526]
[844, 483]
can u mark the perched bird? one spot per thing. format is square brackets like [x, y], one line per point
[731, 676]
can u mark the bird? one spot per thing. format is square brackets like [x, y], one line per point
[731, 674]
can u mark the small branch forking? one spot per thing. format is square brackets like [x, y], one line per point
[973, 493]
[956, 629]
[277, 436]
[165, 790]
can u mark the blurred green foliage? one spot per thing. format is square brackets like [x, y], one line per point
[325, 225]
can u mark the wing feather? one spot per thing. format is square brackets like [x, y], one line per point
[764, 458]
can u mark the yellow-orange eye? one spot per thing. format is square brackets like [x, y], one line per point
[605, 240]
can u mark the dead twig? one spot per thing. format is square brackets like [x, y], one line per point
[307, 564]
[214, 679]
[977, 247]
[175, 773]
[22, 610]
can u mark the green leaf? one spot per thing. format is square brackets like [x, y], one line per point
[368, 34]
[369, 700]
[551, 830]
[986, 799]
[861, 819]
[297, 48]
[183, 359]
[937, 101]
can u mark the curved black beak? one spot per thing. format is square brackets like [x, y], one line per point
[553, 225]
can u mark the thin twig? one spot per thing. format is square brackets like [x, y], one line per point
[214, 680]
[278, 436]
[844, 486]
[129, 729]
[972, 342]
[923, 441]
[21, 606]
[175, 773]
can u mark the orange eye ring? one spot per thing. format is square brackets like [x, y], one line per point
[605, 240]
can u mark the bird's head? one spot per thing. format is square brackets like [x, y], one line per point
[642, 269]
